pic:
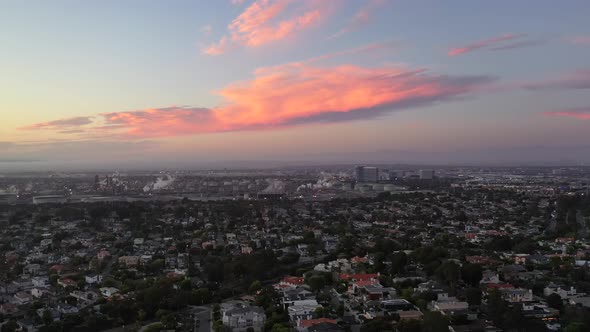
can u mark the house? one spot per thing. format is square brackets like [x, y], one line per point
[327, 325]
[93, 279]
[26, 325]
[32, 269]
[8, 308]
[489, 277]
[54, 314]
[129, 261]
[290, 281]
[302, 311]
[583, 301]
[517, 294]
[58, 268]
[296, 295]
[84, 298]
[246, 250]
[538, 310]
[450, 308]
[359, 276]
[42, 282]
[410, 314]
[67, 309]
[397, 306]
[373, 291]
[67, 282]
[38, 292]
[240, 316]
[22, 298]
[564, 293]
[102, 255]
[108, 291]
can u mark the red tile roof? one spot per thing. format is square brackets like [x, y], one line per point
[311, 322]
[293, 280]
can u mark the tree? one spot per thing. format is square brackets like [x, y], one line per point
[473, 296]
[448, 272]
[168, 320]
[555, 301]
[316, 282]
[576, 327]
[398, 262]
[471, 273]
[10, 326]
[47, 319]
[496, 306]
[255, 286]
[186, 285]
[376, 325]
[279, 328]
[320, 312]
[434, 321]
[200, 296]
[155, 327]
[409, 325]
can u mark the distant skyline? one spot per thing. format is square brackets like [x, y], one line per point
[184, 83]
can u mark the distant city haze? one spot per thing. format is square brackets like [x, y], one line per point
[271, 83]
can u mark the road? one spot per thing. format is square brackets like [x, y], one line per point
[336, 299]
[201, 318]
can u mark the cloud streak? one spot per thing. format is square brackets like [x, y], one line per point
[579, 40]
[267, 21]
[580, 113]
[62, 124]
[294, 94]
[576, 80]
[499, 43]
[362, 17]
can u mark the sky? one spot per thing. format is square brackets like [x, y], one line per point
[181, 83]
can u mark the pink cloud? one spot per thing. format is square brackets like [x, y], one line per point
[582, 113]
[579, 40]
[266, 21]
[362, 16]
[495, 44]
[295, 94]
[218, 48]
[576, 80]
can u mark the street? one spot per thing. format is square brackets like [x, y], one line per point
[201, 318]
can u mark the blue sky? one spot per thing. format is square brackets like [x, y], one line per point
[122, 74]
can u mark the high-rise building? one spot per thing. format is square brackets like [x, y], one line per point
[366, 174]
[426, 174]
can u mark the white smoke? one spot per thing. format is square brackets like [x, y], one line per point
[326, 180]
[162, 182]
[275, 186]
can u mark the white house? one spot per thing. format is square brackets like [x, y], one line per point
[564, 293]
[240, 316]
[108, 291]
[93, 279]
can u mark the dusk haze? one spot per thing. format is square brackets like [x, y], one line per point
[294, 166]
[194, 83]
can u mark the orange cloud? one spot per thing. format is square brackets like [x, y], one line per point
[582, 113]
[294, 94]
[495, 42]
[266, 21]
